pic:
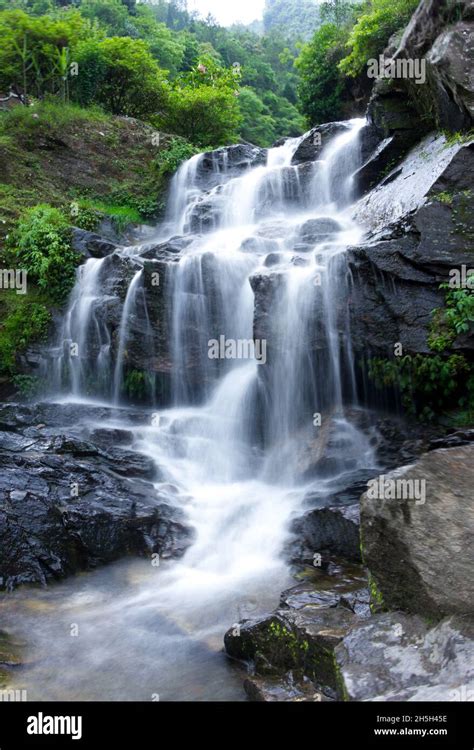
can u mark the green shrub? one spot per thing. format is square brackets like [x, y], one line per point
[170, 159]
[372, 31]
[28, 386]
[25, 323]
[41, 244]
[428, 384]
[454, 319]
[322, 86]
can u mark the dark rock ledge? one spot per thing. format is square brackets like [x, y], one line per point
[73, 498]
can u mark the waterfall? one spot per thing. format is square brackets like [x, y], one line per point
[84, 350]
[129, 308]
[257, 316]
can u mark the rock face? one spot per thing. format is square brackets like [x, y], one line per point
[395, 657]
[417, 532]
[71, 498]
[314, 141]
[444, 34]
[440, 37]
[423, 227]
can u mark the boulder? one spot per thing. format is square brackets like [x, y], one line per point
[91, 245]
[397, 657]
[314, 142]
[301, 635]
[416, 529]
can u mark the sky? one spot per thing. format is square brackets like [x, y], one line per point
[229, 11]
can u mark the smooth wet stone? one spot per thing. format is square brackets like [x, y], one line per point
[398, 657]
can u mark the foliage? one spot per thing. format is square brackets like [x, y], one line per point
[27, 386]
[35, 51]
[203, 107]
[322, 85]
[258, 125]
[111, 14]
[455, 318]
[121, 75]
[24, 321]
[137, 385]
[168, 160]
[427, 383]
[298, 18]
[41, 245]
[374, 27]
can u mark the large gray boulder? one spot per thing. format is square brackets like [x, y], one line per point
[416, 534]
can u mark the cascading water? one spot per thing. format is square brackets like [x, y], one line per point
[268, 267]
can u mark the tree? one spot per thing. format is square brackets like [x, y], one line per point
[120, 74]
[111, 14]
[372, 31]
[203, 105]
[321, 85]
[167, 47]
[34, 51]
[258, 125]
[297, 19]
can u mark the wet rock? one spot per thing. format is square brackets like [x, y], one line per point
[416, 534]
[274, 259]
[271, 689]
[167, 251]
[259, 245]
[68, 505]
[314, 142]
[335, 529]
[319, 230]
[444, 35]
[234, 159]
[303, 641]
[398, 271]
[91, 245]
[301, 635]
[396, 657]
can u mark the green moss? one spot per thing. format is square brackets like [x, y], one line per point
[376, 597]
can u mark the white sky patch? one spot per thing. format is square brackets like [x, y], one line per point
[228, 12]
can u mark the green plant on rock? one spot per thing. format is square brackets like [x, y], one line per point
[41, 245]
[455, 318]
[168, 160]
[137, 384]
[28, 386]
[24, 323]
[427, 383]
